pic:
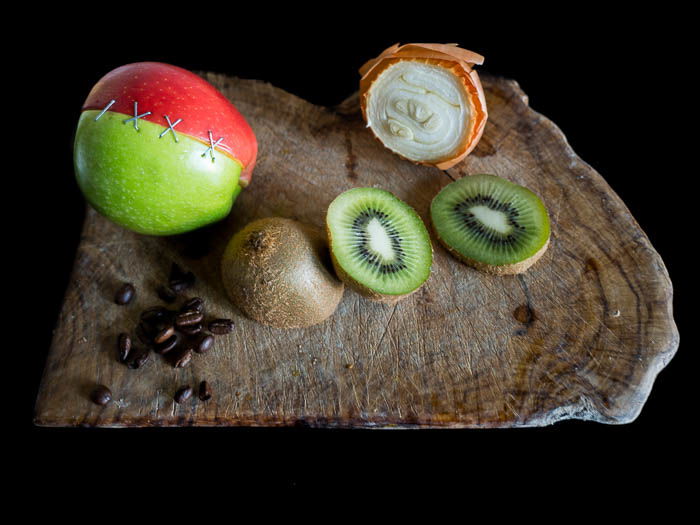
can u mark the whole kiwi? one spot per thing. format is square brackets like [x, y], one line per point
[278, 272]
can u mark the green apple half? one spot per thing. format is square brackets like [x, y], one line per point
[148, 183]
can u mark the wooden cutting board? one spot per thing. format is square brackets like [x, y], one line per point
[581, 335]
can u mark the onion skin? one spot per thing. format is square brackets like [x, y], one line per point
[459, 62]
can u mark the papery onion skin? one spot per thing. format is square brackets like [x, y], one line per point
[459, 62]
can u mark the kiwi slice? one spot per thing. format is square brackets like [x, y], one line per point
[379, 244]
[490, 223]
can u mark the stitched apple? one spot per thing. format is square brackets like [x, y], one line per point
[160, 151]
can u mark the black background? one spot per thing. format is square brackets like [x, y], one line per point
[615, 83]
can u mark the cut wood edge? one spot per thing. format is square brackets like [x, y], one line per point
[661, 350]
[625, 409]
[39, 416]
[585, 409]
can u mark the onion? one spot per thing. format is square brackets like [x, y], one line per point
[424, 102]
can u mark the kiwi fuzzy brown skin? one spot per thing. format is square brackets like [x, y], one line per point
[277, 272]
[359, 287]
[503, 269]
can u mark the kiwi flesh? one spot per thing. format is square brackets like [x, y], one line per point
[491, 224]
[379, 244]
[278, 272]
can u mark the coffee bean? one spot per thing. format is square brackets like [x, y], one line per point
[181, 285]
[188, 318]
[192, 329]
[138, 358]
[167, 345]
[101, 395]
[204, 345]
[196, 304]
[180, 280]
[164, 334]
[221, 326]
[167, 294]
[204, 391]
[183, 394]
[125, 294]
[155, 314]
[182, 358]
[123, 347]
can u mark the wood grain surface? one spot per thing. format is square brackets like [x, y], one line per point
[581, 335]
